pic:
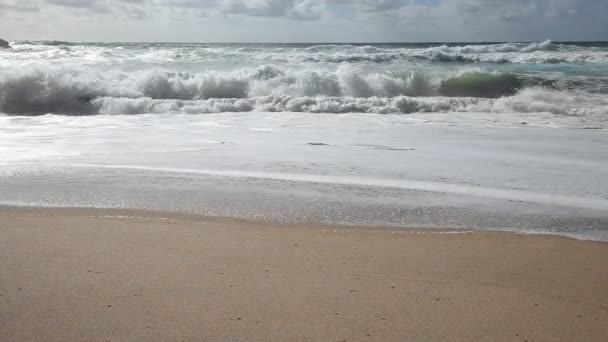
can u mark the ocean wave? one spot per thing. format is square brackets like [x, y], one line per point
[545, 52]
[83, 91]
[547, 45]
[45, 42]
[533, 100]
[43, 90]
[517, 53]
[278, 103]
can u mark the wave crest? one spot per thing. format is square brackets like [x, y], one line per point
[348, 89]
[534, 100]
[536, 52]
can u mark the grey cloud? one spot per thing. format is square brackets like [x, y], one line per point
[75, 3]
[507, 11]
[132, 9]
[348, 19]
[294, 9]
[373, 5]
[523, 8]
[314, 9]
[307, 10]
[18, 6]
[198, 4]
[380, 5]
[570, 8]
[479, 11]
[262, 8]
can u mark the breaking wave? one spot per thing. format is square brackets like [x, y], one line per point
[517, 53]
[84, 91]
[284, 103]
[533, 100]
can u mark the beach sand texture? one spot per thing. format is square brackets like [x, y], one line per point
[102, 275]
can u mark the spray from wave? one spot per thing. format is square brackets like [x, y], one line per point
[87, 91]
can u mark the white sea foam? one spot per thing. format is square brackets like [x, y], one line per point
[542, 52]
[83, 79]
[595, 111]
[349, 89]
[459, 189]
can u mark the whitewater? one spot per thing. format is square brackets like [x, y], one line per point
[507, 136]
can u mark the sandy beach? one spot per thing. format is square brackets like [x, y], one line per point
[107, 275]
[303, 170]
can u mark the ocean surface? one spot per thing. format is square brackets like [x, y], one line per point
[487, 135]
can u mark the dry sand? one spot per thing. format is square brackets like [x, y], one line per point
[79, 275]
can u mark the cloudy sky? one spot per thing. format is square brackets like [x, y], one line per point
[304, 20]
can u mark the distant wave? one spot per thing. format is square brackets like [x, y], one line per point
[547, 45]
[44, 42]
[443, 53]
[542, 52]
[517, 53]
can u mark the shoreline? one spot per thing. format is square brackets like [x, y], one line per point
[99, 275]
[194, 218]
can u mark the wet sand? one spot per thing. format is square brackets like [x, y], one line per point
[108, 275]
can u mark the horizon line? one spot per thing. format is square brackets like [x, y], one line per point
[317, 42]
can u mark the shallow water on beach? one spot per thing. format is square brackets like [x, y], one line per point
[338, 169]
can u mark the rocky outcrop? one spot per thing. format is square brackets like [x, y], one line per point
[4, 44]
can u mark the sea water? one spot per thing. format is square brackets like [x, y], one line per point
[488, 136]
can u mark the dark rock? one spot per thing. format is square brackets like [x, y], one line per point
[4, 44]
